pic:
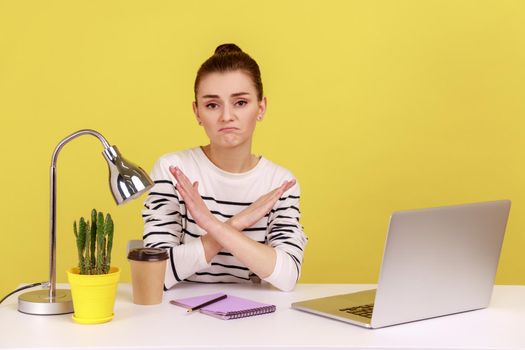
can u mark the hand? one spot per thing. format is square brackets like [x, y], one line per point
[260, 207]
[194, 203]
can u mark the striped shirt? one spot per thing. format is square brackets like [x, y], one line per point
[167, 223]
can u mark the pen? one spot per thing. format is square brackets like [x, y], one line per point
[207, 303]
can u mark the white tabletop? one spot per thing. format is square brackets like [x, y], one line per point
[501, 326]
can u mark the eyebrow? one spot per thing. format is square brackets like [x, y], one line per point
[232, 95]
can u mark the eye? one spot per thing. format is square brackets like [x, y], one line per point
[212, 105]
[241, 103]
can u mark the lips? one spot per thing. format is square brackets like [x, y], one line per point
[228, 129]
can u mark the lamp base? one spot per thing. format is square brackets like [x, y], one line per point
[38, 302]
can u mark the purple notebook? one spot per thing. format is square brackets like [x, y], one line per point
[226, 309]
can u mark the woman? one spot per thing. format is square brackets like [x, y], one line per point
[224, 214]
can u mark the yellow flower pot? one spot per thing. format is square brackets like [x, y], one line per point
[93, 295]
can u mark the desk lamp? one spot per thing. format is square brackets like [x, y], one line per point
[126, 180]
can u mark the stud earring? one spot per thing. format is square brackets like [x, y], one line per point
[259, 118]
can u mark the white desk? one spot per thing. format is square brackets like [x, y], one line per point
[501, 326]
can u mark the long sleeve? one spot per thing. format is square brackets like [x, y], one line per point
[163, 216]
[167, 223]
[286, 236]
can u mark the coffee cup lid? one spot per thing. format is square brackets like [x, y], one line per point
[148, 254]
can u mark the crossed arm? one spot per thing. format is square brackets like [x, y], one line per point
[258, 257]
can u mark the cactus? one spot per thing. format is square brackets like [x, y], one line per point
[81, 244]
[100, 243]
[94, 243]
[87, 256]
[79, 247]
[93, 238]
[108, 231]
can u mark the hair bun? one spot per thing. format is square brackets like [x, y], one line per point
[227, 48]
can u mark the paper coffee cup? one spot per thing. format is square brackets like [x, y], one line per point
[148, 267]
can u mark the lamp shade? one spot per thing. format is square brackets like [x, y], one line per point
[126, 180]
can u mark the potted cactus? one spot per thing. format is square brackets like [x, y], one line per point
[94, 281]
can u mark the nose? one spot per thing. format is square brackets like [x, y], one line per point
[227, 114]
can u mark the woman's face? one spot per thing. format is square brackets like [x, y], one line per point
[227, 108]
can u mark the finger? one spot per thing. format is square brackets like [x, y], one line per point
[290, 184]
[175, 171]
[180, 176]
[181, 191]
[188, 194]
[285, 187]
[275, 195]
[187, 197]
[277, 192]
[196, 185]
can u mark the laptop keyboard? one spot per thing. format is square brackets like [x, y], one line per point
[361, 310]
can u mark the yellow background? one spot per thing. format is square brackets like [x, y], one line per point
[375, 106]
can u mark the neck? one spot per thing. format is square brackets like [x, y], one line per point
[232, 160]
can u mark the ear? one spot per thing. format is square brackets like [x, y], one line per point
[262, 109]
[196, 112]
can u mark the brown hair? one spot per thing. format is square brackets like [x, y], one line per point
[229, 58]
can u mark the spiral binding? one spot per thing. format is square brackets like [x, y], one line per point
[250, 312]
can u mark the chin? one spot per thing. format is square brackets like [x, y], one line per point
[230, 144]
[231, 141]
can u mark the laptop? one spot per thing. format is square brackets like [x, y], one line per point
[436, 262]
